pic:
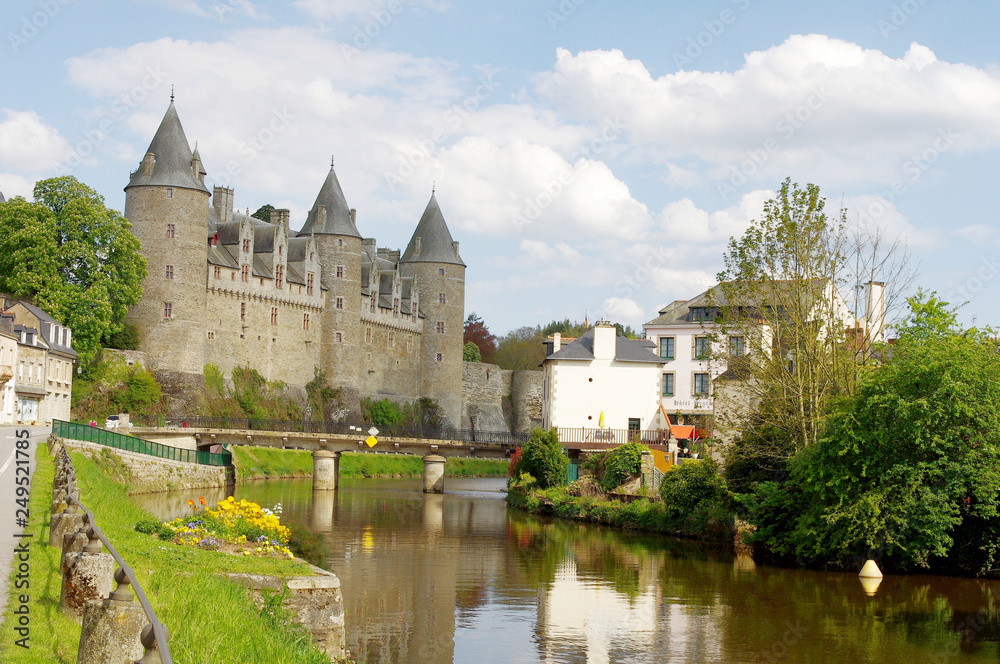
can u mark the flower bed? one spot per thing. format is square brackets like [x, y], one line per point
[239, 527]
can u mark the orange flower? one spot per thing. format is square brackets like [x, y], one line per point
[202, 500]
[191, 505]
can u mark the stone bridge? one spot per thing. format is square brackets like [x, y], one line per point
[327, 448]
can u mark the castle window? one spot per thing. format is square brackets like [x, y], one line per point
[170, 193]
[395, 307]
[246, 246]
[440, 327]
[170, 272]
[211, 335]
[340, 271]
[309, 284]
[281, 250]
[413, 316]
[243, 311]
[340, 303]
[217, 272]
[374, 295]
[441, 271]
[440, 298]
[340, 242]
[215, 240]
[368, 335]
[168, 310]
[170, 230]
[232, 276]
[312, 256]
[440, 357]
[279, 273]
[339, 338]
[274, 315]
[245, 272]
[305, 321]
[392, 340]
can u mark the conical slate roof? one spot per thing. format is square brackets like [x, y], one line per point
[436, 245]
[338, 214]
[172, 154]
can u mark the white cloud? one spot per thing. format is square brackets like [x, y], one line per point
[623, 310]
[27, 143]
[871, 210]
[812, 102]
[15, 184]
[379, 11]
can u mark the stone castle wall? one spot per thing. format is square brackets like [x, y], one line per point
[485, 387]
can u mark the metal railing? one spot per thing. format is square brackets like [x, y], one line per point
[305, 426]
[154, 635]
[612, 436]
[84, 432]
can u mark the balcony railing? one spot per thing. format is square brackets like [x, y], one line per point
[612, 436]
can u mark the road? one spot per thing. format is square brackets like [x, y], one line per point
[11, 461]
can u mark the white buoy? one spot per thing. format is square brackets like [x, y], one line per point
[870, 584]
[870, 570]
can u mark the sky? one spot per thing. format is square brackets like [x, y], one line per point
[593, 158]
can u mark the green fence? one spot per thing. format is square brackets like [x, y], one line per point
[74, 431]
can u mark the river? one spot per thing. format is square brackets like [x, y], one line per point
[459, 577]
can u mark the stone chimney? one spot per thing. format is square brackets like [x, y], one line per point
[416, 245]
[320, 217]
[875, 311]
[454, 245]
[556, 342]
[605, 340]
[280, 218]
[222, 201]
[146, 167]
[368, 247]
[354, 217]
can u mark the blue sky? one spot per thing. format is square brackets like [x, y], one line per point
[590, 156]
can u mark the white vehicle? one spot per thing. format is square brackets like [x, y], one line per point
[111, 422]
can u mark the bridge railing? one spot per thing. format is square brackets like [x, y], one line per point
[154, 635]
[77, 431]
[305, 426]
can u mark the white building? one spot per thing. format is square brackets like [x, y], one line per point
[695, 352]
[8, 362]
[599, 374]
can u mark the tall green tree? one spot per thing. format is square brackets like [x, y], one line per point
[908, 467]
[72, 256]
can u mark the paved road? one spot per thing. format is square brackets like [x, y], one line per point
[10, 461]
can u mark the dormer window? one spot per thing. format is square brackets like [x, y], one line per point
[215, 240]
[281, 250]
[170, 193]
[246, 246]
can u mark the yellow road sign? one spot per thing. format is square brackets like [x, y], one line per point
[371, 440]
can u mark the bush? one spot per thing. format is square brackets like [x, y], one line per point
[621, 464]
[543, 458]
[697, 500]
[471, 353]
[384, 413]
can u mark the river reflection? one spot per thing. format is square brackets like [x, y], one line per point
[460, 578]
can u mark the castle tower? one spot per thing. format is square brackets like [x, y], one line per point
[432, 259]
[332, 225]
[168, 204]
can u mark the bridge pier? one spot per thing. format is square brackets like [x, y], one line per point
[434, 473]
[326, 467]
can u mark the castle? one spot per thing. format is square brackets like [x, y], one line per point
[226, 288]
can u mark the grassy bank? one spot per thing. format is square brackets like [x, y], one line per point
[210, 618]
[642, 514]
[258, 463]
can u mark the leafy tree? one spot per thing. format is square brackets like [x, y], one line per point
[126, 338]
[543, 458]
[908, 468]
[72, 256]
[780, 292]
[520, 349]
[470, 353]
[263, 212]
[696, 498]
[621, 464]
[477, 333]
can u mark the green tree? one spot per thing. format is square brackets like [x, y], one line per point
[522, 348]
[263, 212]
[543, 458]
[908, 468]
[621, 464]
[72, 256]
[470, 352]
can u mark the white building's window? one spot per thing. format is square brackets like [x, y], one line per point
[701, 384]
[668, 385]
[667, 348]
[736, 346]
[701, 348]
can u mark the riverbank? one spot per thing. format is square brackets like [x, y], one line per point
[211, 618]
[260, 463]
[656, 516]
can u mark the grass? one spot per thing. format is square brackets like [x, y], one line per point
[211, 619]
[258, 463]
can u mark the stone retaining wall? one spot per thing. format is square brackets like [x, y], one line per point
[150, 474]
